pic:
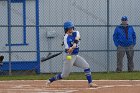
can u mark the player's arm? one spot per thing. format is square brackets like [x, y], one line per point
[77, 38]
[66, 43]
[67, 46]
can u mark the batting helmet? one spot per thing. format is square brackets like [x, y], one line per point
[68, 25]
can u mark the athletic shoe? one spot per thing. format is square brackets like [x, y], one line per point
[93, 85]
[48, 83]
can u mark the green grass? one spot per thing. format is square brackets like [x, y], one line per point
[79, 76]
[108, 76]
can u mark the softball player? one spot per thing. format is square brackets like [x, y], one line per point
[71, 43]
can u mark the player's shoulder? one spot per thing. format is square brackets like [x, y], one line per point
[66, 35]
[76, 32]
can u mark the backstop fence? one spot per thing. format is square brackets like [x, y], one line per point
[31, 29]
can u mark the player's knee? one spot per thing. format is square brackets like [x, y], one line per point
[86, 66]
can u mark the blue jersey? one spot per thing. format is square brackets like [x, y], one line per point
[69, 41]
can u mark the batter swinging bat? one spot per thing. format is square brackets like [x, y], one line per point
[50, 56]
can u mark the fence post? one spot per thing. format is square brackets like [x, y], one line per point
[108, 57]
[9, 32]
[37, 37]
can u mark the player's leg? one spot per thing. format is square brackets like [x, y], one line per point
[80, 62]
[120, 55]
[67, 66]
[130, 54]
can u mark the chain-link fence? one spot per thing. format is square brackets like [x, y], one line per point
[94, 19]
[19, 42]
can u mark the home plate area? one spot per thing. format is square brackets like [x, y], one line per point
[69, 86]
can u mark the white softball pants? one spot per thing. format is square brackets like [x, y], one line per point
[76, 60]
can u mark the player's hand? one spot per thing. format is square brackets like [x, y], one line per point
[70, 50]
[74, 45]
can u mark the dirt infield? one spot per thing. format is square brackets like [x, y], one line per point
[69, 86]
